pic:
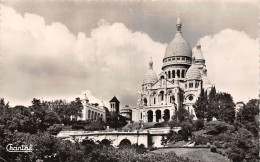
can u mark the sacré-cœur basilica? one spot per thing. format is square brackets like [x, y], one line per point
[183, 76]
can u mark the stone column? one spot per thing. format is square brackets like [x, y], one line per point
[162, 111]
[154, 116]
[165, 101]
[171, 112]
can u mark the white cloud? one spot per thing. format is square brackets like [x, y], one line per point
[232, 62]
[41, 60]
[48, 61]
[93, 99]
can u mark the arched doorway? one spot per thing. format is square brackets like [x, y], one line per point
[124, 143]
[150, 116]
[166, 114]
[158, 115]
[105, 142]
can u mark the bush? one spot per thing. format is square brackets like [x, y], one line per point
[236, 154]
[199, 124]
[186, 130]
[140, 149]
[94, 127]
[217, 127]
[173, 123]
[77, 126]
[213, 148]
[159, 125]
[225, 145]
[55, 129]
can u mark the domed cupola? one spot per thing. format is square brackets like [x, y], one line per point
[178, 49]
[193, 73]
[150, 76]
[199, 58]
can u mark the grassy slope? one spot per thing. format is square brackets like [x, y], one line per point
[200, 154]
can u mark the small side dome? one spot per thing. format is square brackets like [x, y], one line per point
[197, 53]
[193, 73]
[150, 76]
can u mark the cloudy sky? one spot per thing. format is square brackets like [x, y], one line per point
[63, 49]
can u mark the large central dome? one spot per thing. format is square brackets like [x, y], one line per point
[178, 46]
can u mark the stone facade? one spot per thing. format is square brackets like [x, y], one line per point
[183, 76]
[92, 111]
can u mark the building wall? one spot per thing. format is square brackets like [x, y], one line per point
[91, 112]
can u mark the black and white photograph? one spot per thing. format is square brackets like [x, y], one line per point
[129, 81]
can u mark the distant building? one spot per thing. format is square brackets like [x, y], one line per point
[114, 105]
[183, 76]
[126, 112]
[92, 111]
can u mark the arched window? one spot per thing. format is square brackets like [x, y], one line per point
[162, 94]
[190, 85]
[89, 114]
[154, 100]
[173, 74]
[196, 85]
[178, 73]
[145, 101]
[182, 73]
[141, 115]
[169, 74]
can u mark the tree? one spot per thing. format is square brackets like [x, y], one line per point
[186, 130]
[218, 105]
[201, 105]
[51, 118]
[75, 108]
[212, 104]
[182, 115]
[226, 108]
[250, 110]
[38, 111]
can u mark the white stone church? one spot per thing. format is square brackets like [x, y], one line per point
[183, 76]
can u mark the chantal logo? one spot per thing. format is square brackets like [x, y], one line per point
[22, 148]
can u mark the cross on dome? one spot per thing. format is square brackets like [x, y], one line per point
[178, 24]
[151, 64]
[198, 45]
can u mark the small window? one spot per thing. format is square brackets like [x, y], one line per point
[165, 60]
[190, 98]
[173, 58]
[196, 85]
[190, 85]
[183, 58]
[178, 58]
[169, 59]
